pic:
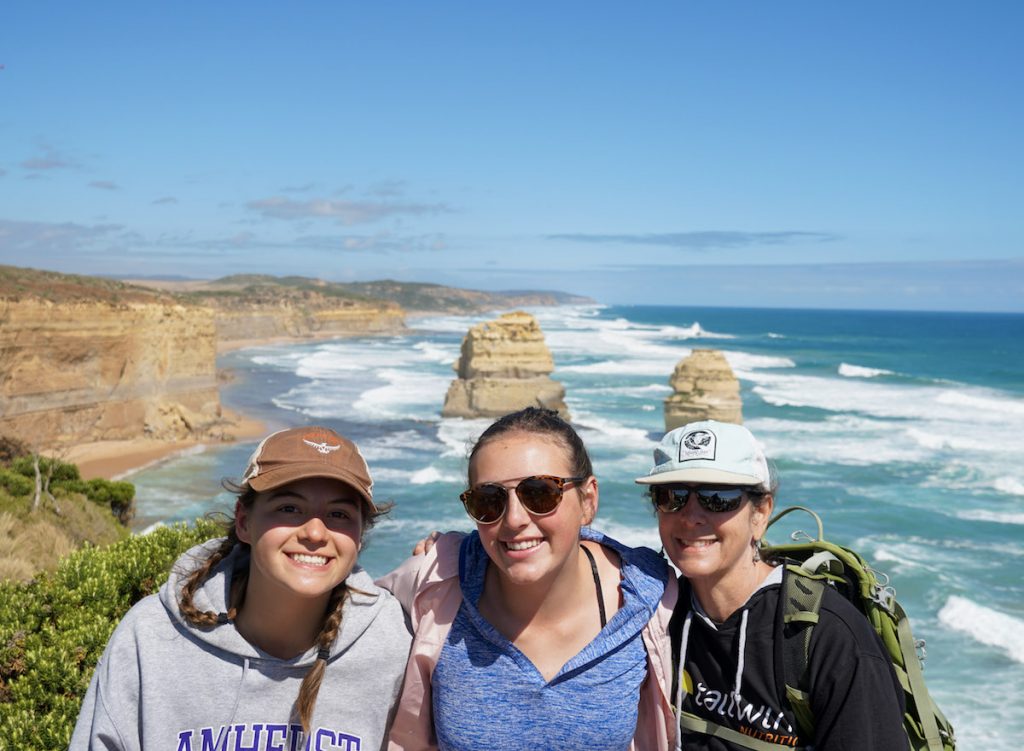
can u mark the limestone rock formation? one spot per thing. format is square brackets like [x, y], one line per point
[705, 388]
[106, 370]
[246, 322]
[504, 366]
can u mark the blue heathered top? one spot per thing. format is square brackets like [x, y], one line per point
[487, 694]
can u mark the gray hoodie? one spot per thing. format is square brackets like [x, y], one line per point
[165, 684]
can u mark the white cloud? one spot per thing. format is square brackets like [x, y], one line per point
[345, 212]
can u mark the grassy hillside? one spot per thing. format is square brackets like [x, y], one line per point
[18, 283]
[249, 289]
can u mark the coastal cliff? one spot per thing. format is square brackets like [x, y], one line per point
[104, 370]
[258, 308]
[504, 366]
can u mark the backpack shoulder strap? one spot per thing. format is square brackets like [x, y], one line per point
[801, 605]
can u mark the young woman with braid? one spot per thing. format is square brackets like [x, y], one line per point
[252, 628]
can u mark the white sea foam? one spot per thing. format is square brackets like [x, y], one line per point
[601, 431]
[983, 515]
[984, 625]
[445, 324]
[858, 371]
[952, 441]
[430, 475]
[888, 555]
[434, 352]
[458, 435]
[408, 394]
[1010, 485]
[743, 362]
[281, 359]
[628, 367]
[983, 401]
[962, 406]
[629, 535]
[642, 392]
[396, 446]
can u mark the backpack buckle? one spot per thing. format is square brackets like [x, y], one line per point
[885, 596]
[922, 653]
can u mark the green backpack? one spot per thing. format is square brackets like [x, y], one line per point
[811, 565]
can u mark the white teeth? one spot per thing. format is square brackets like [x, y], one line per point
[313, 560]
[524, 545]
[697, 543]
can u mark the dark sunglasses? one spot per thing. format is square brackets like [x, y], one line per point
[668, 499]
[539, 494]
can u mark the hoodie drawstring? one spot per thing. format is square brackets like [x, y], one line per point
[739, 659]
[679, 673]
[238, 693]
[684, 643]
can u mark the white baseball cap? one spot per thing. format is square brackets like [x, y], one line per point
[710, 453]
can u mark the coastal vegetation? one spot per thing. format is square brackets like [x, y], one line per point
[53, 628]
[47, 511]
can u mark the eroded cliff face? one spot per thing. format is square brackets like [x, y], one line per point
[705, 388]
[504, 366]
[244, 321]
[106, 370]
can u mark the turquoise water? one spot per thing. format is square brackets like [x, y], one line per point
[905, 431]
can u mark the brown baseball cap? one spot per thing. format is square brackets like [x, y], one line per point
[312, 451]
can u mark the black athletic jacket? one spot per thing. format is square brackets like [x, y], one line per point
[856, 699]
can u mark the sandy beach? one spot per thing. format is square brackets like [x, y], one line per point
[113, 460]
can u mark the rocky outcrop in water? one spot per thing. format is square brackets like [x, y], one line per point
[705, 388]
[504, 366]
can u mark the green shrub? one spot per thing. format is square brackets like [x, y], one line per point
[62, 471]
[16, 484]
[116, 495]
[53, 629]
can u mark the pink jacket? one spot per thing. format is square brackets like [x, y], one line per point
[428, 588]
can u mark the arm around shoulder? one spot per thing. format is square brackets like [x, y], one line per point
[419, 571]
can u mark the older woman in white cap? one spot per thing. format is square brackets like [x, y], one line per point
[713, 492]
[251, 628]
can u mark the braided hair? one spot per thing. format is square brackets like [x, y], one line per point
[207, 619]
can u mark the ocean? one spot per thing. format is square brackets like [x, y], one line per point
[904, 431]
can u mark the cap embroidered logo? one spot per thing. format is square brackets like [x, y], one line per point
[697, 444]
[321, 446]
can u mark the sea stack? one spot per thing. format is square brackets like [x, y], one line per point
[704, 389]
[504, 366]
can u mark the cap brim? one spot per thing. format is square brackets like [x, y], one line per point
[703, 476]
[273, 479]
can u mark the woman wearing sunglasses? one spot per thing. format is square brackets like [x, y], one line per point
[534, 631]
[713, 494]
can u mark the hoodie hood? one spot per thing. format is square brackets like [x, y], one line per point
[361, 609]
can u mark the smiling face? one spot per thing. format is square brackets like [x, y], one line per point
[713, 547]
[304, 536]
[526, 549]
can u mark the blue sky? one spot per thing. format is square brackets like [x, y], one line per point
[795, 154]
